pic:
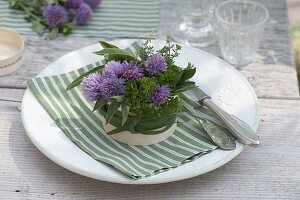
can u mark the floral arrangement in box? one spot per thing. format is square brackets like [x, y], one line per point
[56, 16]
[137, 93]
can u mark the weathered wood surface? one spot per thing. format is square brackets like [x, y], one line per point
[272, 73]
[270, 171]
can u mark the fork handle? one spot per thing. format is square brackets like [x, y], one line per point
[240, 129]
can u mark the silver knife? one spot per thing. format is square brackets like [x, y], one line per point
[240, 129]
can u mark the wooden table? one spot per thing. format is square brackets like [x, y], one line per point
[270, 171]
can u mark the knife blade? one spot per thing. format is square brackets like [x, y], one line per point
[240, 129]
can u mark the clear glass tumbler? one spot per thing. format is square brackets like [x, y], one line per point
[240, 26]
[194, 26]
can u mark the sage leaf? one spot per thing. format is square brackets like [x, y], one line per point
[38, 27]
[186, 74]
[67, 28]
[136, 120]
[52, 1]
[106, 45]
[53, 33]
[185, 88]
[154, 132]
[112, 108]
[131, 127]
[99, 104]
[155, 124]
[119, 98]
[78, 80]
[125, 111]
[117, 130]
[116, 53]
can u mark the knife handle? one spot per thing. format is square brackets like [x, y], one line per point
[240, 129]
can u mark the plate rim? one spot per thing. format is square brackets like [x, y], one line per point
[108, 178]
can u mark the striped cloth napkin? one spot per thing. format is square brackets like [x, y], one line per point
[71, 111]
[113, 18]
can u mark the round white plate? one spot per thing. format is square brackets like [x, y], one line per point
[227, 87]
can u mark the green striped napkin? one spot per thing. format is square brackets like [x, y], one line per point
[113, 18]
[71, 111]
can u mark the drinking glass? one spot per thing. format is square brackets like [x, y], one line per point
[240, 25]
[194, 26]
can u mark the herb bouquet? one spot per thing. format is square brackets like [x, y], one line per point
[137, 93]
[55, 16]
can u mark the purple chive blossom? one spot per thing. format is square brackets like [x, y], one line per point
[160, 95]
[75, 4]
[93, 3]
[111, 86]
[83, 14]
[131, 71]
[96, 86]
[56, 16]
[155, 64]
[114, 67]
[91, 86]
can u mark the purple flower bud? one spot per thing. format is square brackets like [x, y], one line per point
[131, 71]
[56, 16]
[96, 86]
[155, 64]
[83, 14]
[114, 67]
[93, 3]
[111, 86]
[75, 4]
[125, 70]
[160, 95]
[91, 86]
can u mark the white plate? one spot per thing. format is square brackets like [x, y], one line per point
[228, 88]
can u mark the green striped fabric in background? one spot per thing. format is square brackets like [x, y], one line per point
[72, 112]
[113, 18]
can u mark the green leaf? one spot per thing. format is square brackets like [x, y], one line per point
[190, 66]
[52, 1]
[116, 120]
[117, 130]
[53, 33]
[119, 98]
[186, 74]
[186, 83]
[180, 106]
[155, 124]
[154, 132]
[99, 104]
[112, 108]
[185, 88]
[116, 53]
[38, 27]
[125, 111]
[107, 45]
[136, 120]
[78, 80]
[67, 28]
[131, 127]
